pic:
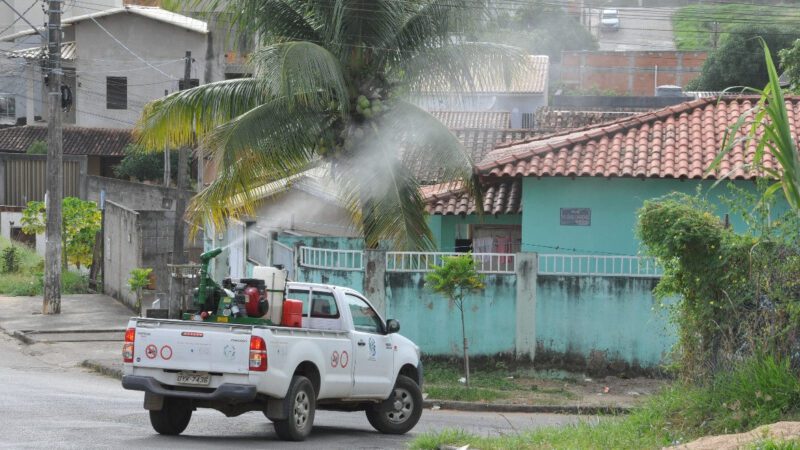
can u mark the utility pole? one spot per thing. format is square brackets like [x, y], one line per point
[55, 176]
[178, 256]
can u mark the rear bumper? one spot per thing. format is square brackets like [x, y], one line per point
[226, 393]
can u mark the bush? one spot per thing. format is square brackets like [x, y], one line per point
[739, 61]
[10, 260]
[738, 292]
[37, 148]
[145, 165]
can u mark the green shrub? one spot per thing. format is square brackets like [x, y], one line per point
[37, 148]
[9, 260]
[145, 165]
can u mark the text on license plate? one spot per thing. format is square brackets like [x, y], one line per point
[201, 379]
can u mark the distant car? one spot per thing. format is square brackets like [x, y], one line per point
[609, 20]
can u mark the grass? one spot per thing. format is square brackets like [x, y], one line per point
[771, 444]
[486, 384]
[28, 280]
[693, 25]
[759, 391]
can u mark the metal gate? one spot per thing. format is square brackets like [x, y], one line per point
[283, 255]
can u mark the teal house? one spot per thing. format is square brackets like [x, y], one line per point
[572, 199]
[579, 191]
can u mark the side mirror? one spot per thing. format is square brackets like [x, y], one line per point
[392, 326]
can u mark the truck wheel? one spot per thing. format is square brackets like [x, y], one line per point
[401, 411]
[173, 418]
[301, 411]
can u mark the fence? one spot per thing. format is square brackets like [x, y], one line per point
[599, 265]
[258, 248]
[323, 258]
[23, 177]
[425, 261]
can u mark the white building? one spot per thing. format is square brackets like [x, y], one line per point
[116, 60]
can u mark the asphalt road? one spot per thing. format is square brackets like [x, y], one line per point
[640, 29]
[48, 405]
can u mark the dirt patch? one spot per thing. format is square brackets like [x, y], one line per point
[779, 431]
[608, 391]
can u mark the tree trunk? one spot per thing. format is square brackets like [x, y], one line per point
[466, 352]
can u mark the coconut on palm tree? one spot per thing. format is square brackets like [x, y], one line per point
[328, 86]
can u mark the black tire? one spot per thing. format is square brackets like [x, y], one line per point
[302, 404]
[401, 411]
[173, 418]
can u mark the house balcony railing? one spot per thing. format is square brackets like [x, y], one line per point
[599, 265]
[492, 263]
[323, 258]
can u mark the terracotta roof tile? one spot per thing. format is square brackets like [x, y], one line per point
[451, 199]
[679, 141]
[77, 140]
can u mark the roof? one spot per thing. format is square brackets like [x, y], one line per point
[678, 141]
[151, 12]
[473, 119]
[68, 52]
[77, 140]
[477, 142]
[532, 80]
[451, 199]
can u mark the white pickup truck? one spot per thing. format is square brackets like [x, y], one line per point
[344, 357]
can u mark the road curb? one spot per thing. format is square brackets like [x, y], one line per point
[112, 372]
[509, 408]
[102, 369]
[18, 335]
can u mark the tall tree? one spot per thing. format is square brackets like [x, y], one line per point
[327, 87]
[739, 61]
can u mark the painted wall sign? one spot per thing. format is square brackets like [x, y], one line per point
[581, 217]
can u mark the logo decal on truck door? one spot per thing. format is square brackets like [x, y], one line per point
[334, 359]
[229, 351]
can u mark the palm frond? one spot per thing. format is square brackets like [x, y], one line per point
[383, 197]
[304, 74]
[425, 144]
[185, 117]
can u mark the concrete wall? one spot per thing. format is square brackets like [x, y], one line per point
[600, 324]
[122, 250]
[614, 204]
[137, 196]
[631, 72]
[434, 324]
[581, 323]
[444, 227]
[162, 44]
[157, 231]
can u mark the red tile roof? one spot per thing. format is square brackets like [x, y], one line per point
[451, 199]
[77, 140]
[678, 141]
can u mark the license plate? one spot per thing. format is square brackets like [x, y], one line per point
[200, 379]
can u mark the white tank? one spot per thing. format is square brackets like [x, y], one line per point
[275, 285]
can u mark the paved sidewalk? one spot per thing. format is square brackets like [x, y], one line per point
[90, 327]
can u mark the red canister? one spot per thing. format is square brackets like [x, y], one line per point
[292, 313]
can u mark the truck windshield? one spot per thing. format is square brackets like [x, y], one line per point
[364, 317]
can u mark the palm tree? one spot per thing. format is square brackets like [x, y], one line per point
[327, 90]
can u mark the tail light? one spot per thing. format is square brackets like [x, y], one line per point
[258, 354]
[127, 347]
